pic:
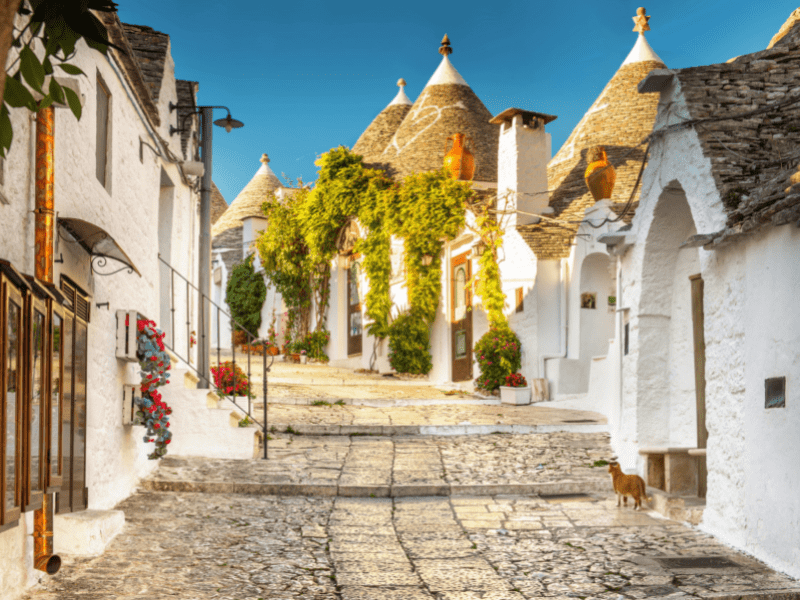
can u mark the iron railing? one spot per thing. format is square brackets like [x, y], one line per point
[191, 291]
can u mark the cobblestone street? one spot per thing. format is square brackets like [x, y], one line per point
[524, 512]
[197, 546]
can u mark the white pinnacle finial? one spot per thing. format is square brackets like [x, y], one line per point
[401, 97]
[264, 158]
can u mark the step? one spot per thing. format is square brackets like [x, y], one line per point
[201, 430]
[392, 430]
[686, 509]
[556, 488]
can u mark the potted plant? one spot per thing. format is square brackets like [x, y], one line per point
[516, 390]
[303, 357]
[230, 380]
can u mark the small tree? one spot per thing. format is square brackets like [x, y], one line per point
[245, 295]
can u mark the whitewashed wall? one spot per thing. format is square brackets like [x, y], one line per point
[127, 208]
[752, 332]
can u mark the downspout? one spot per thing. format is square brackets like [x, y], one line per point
[43, 557]
[563, 315]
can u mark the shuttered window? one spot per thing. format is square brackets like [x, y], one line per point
[74, 494]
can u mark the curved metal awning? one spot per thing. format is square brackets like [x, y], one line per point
[97, 242]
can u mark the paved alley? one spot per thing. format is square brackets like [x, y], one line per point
[196, 546]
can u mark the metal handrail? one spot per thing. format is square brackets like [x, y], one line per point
[266, 364]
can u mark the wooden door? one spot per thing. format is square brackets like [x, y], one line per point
[354, 325]
[461, 317]
[698, 323]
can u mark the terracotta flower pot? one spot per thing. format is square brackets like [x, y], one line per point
[273, 351]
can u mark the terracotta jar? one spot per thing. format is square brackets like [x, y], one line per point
[600, 174]
[459, 161]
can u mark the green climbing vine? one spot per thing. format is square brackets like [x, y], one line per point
[488, 284]
[305, 231]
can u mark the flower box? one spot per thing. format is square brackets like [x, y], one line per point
[127, 334]
[515, 395]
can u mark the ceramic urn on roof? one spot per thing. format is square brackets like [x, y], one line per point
[446, 106]
[619, 120]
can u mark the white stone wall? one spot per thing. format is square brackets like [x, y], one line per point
[752, 332]
[127, 208]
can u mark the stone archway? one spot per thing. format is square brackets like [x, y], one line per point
[666, 401]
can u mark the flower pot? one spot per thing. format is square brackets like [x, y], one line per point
[515, 395]
[303, 359]
[295, 358]
[273, 351]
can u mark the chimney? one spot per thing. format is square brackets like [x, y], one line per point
[522, 164]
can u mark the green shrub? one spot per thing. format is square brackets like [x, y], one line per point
[409, 345]
[245, 295]
[315, 343]
[498, 354]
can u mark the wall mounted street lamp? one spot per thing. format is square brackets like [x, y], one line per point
[204, 263]
[427, 259]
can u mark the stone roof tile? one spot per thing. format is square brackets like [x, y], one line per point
[755, 153]
[150, 49]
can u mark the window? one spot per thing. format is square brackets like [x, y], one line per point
[30, 403]
[74, 494]
[12, 337]
[103, 130]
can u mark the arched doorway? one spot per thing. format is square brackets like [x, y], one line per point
[667, 405]
[597, 284]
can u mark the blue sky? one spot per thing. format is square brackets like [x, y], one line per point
[306, 76]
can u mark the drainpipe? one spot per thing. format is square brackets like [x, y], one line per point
[43, 557]
[562, 317]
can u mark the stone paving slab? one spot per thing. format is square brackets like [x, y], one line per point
[555, 463]
[234, 547]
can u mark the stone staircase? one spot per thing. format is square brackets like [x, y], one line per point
[203, 425]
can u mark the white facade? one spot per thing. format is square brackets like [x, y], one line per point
[139, 196]
[752, 333]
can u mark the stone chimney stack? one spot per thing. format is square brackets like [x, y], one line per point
[523, 155]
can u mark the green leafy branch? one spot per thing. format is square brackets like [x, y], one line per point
[48, 41]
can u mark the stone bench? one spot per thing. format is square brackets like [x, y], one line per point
[673, 470]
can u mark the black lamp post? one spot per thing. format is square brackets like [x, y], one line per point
[204, 263]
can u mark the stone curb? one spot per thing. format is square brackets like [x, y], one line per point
[761, 595]
[555, 488]
[390, 430]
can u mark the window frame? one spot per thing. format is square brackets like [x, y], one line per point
[54, 482]
[72, 291]
[10, 292]
[32, 499]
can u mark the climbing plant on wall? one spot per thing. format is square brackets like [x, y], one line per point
[488, 284]
[297, 248]
[245, 295]
[285, 258]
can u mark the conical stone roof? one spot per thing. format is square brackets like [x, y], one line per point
[379, 133]
[619, 119]
[248, 202]
[446, 106]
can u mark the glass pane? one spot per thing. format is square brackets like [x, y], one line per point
[55, 414]
[353, 282]
[79, 424]
[66, 419]
[461, 344]
[461, 286]
[36, 399]
[12, 379]
[355, 324]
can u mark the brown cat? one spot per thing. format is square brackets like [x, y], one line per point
[628, 485]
